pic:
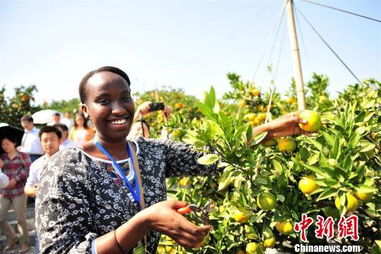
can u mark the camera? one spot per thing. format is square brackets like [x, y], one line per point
[156, 106]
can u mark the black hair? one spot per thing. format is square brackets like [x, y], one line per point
[83, 83]
[27, 118]
[10, 138]
[50, 129]
[57, 114]
[61, 126]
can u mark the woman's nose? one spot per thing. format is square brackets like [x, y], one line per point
[118, 107]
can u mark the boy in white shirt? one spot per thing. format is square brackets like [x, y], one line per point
[50, 141]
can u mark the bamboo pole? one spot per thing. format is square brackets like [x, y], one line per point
[296, 56]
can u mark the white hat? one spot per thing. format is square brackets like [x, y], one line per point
[4, 180]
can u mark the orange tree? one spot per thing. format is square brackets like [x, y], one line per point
[262, 192]
[13, 108]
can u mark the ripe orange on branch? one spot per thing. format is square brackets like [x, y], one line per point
[286, 145]
[284, 227]
[269, 242]
[352, 202]
[307, 184]
[252, 248]
[241, 216]
[312, 118]
[364, 196]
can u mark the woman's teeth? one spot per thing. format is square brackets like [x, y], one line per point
[119, 122]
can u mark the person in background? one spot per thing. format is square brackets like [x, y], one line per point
[81, 132]
[50, 140]
[67, 120]
[56, 118]
[140, 128]
[16, 167]
[50, 137]
[109, 194]
[65, 141]
[30, 143]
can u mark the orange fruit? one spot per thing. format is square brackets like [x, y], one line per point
[266, 201]
[179, 105]
[250, 116]
[241, 103]
[364, 196]
[252, 248]
[313, 120]
[307, 184]
[284, 227]
[255, 92]
[269, 242]
[269, 142]
[352, 202]
[286, 145]
[290, 100]
[241, 216]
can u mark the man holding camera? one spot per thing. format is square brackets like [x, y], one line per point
[140, 127]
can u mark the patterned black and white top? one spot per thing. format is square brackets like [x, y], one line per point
[81, 197]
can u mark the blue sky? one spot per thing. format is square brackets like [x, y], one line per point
[185, 44]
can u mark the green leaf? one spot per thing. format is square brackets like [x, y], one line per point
[226, 179]
[261, 180]
[354, 140]
[313, 169]
[313, 159]
[326, 194]
[208, 159]
[304, 154]
[316, 144]
[328, 138]
[280, 197]
[277, 165]
[207, 111]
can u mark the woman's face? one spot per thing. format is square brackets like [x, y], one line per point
[8, 146]
[109, 105]
[79, 120]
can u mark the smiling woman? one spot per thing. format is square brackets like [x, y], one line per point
[107, 196]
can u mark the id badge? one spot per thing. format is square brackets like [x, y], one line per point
[139, 249]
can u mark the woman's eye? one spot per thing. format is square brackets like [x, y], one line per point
[126, 99]
[103, 101]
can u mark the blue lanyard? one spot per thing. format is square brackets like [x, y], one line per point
[134, 191]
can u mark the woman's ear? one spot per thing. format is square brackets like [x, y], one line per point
[84, 110]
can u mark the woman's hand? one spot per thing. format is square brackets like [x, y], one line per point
[1, 163]
[286, 125]
[142, 110]
[164, 218]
